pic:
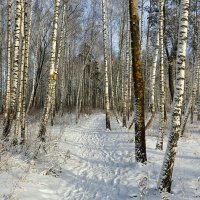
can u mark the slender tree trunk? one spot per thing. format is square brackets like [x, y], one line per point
[159, 144]
[153, 84]
[1, 61]
[165, 178]
[47, 105]
[194, 88]
[35, 63]
[107, 104]
[140, 143]
[57, 66]
[126, 67]
[147, 59]
[141, 21]
[7, 101]
[198, 102]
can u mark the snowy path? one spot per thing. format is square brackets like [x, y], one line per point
[103, 160]
[101, 166]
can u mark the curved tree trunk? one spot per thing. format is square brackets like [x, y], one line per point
[165, 179]
[47, 106]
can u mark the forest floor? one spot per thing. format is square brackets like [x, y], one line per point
[85, 162]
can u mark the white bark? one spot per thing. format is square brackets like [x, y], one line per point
[107, 104]
[153, 75]
[159, 144]
[8, 59]
[21, 77]
[165, 178]
[48, 101]
[194, 88]
[15, 70]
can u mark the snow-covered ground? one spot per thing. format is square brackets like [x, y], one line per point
[85, 162]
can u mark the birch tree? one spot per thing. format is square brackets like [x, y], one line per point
[165, 179]
[194, 87]
[21, 77]
[60, 48]
[15, 70]
[159, 144]
[47, 106]
[7, 101]
[1, 61]
[107, 104]
[140, 143]
[153, 83]
[126, 67]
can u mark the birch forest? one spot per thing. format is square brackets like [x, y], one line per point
[99, 99]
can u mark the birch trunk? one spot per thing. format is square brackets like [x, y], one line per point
[153, 83]
[1, 61]
[126, 67]
[57, 66]
[140, 143]
[21, 78]
[165, 178]
[7, 101]
[27, 32]
[194, 88]
[15, 71]
[48, 101]
[159, 144]
[198, 103]
[34, 69]
[107, 104]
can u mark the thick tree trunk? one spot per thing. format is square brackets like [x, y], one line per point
[165, 179]
[21, 79]
[15, 70]
[140, 143]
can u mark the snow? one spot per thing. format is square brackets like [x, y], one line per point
[86, 162]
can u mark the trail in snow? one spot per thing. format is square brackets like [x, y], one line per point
[103, 160]
[102, 167]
